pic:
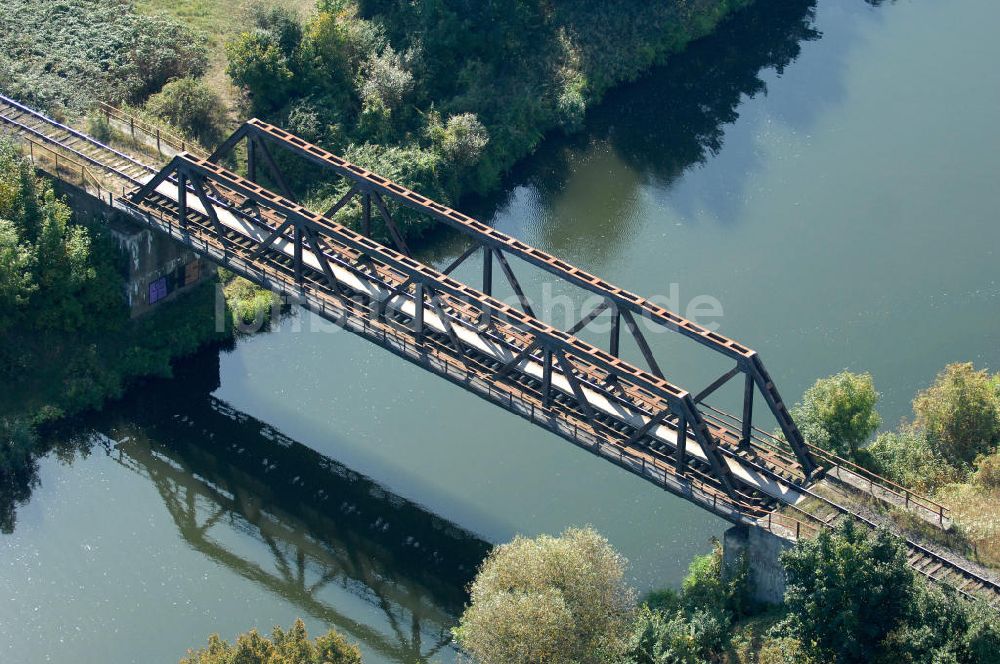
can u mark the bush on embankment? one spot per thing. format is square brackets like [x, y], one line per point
[445, 97]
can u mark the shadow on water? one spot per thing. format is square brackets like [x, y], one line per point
[672, 119]
[290, 520]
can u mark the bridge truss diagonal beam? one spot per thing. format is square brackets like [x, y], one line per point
[626, 305]
[453, 311]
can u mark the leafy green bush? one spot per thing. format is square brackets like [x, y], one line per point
[258, 64]
[838, 413]
[847, 591]
[961, 413]
[663, 638]
[291, 647]
[695, 624]
[548, 599]
[51, 277]
[907, 458]
[193, 107]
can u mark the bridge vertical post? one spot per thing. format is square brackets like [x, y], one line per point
[748, 393]
[182, 205]
[487, 270]
[680, 461]
[418, 316]
[546, 376]
[252, 158]
[616, 325]
[366, 214]
[298, 254]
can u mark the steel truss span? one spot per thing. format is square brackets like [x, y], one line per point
[259, 137]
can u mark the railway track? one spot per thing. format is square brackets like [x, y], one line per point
[126, 173]
[123, 171]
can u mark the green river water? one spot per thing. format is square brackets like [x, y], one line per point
[829, 175]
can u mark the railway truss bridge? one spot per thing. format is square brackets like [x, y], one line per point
[628, 413]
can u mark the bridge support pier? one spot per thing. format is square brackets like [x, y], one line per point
[761, 549]
[157, 268]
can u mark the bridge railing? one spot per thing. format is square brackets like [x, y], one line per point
[851, 473]
[167, 143]
[59, 165]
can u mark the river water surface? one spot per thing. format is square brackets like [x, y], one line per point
[827, 174]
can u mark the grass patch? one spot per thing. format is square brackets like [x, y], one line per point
[976, 512]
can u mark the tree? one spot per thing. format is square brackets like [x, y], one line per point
[291, 647]
[961, 413]
[547, 600]
[193, 107]
[16, 282]
[461, 140]
[258, 65]
[847, 591]
[838, 412]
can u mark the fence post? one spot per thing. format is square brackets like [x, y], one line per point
[158, 141]
[131, 122]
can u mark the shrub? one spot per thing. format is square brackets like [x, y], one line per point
[258, 65]
[838, 413]
[705, 587]
[462, 139]
[193, 107]
[384, 81]
[548, 599]
[907, 458]
[659, 638]
[291, 647]
[846, 591]
[250, 306]
[987, 473]
[961, 413]
[410, 166]
[99, 127]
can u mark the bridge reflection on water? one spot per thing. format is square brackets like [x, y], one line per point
[295, 522]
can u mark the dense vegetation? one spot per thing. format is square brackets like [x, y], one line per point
[850, 598]
[284, 647]
[950, 449]
[63, 55]
[445, 96]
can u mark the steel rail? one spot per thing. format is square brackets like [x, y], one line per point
[45, 138]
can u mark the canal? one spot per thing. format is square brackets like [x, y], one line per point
[817, 180]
